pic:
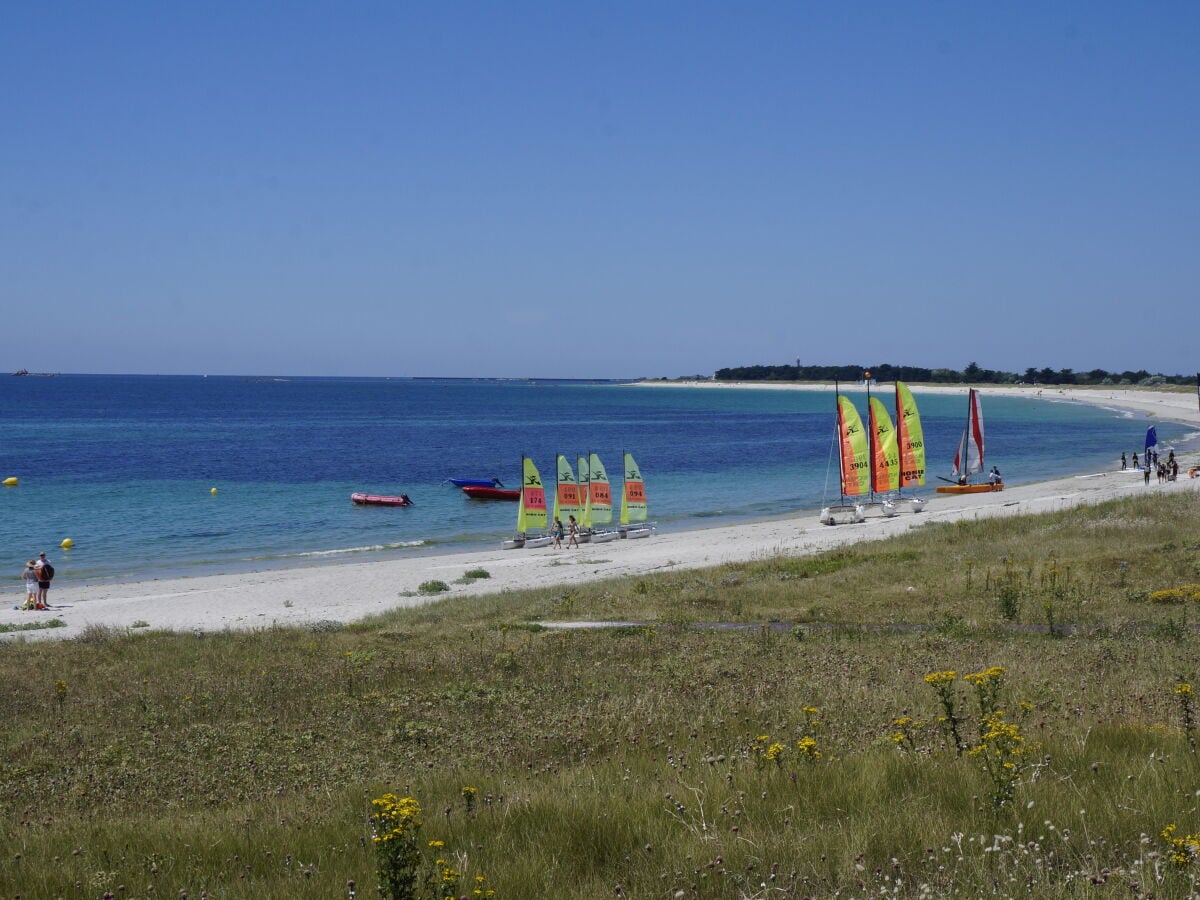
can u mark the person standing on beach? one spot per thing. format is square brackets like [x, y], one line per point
[45, 574]
[31, 585]
[1146, 472]
[1135, 465]
[1124, 463]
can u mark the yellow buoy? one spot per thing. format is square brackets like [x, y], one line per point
[213, 491]
[67, 543]
[10, 482]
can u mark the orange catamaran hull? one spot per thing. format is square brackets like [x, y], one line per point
[968, 488]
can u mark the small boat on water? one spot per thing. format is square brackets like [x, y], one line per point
[380, 500]
[968, 458]
[487, 492]
[476, 482]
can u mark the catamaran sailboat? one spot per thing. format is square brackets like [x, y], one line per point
[566, 494]
[598, 508]
[633, 502]
[968, 458]
[854, 466]
[897, 454]
[531, 510]
[878, 462]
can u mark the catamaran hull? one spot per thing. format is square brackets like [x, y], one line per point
[968, 488]
[546, 541]
[632, 533]
[843, 515]
[601, 537]
[893, 506]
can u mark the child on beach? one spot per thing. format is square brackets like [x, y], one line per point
[31, 585]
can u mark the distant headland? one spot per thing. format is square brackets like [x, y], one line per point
[972, 374]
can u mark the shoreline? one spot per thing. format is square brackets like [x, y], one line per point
[345, 592]
[1180, 406]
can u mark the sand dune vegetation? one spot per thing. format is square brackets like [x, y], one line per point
[1001, 707]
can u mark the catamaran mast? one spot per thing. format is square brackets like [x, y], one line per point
[873, 437]
[837, 442]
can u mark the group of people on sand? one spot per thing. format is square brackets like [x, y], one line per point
[572, 532]
[1166, 469]
[37, 576]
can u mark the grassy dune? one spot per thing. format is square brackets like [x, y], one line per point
[769, 732]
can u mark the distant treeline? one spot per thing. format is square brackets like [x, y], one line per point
[972, 374]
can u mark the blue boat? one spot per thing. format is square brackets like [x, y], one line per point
[476, 482]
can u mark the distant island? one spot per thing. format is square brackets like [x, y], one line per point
[972, 374]
[35, 374]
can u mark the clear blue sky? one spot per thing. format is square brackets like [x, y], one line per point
[594, 190]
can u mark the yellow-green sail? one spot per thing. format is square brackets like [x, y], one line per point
[531, 511]
[852, 438]
[910, 438]
[585, 491]
[600, 493]
[566, 494]
[885, 457]
[633, 497]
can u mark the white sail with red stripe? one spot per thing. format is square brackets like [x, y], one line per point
[968, 459]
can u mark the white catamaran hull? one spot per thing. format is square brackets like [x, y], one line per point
[843, 515]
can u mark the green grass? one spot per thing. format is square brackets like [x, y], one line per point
[32, 626]
[633, 762]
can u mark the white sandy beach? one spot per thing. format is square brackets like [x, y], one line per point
[351, 591]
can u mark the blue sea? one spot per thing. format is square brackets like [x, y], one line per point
[125, 465]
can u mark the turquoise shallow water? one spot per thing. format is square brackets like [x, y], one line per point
[124, 465]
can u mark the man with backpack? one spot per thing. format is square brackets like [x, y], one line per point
[45, 576]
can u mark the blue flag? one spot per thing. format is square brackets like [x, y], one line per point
[1151, 437]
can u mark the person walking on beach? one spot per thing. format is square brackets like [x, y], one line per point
[31, 585]
[557, 531]
[573, 532]
[1146, 472]
[1124, 463]
[45, 573]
